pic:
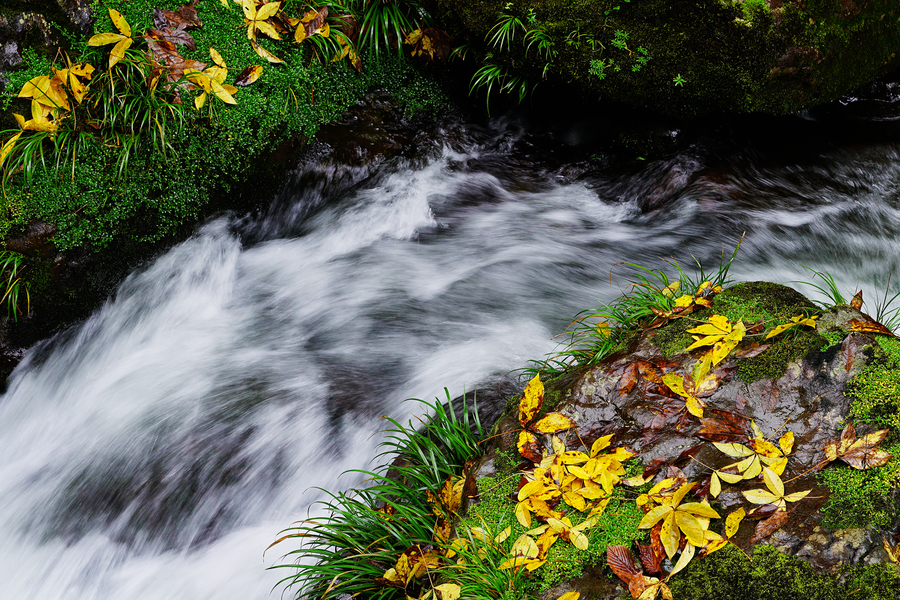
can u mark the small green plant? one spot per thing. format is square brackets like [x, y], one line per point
[363, 531]
[491, 76]
[679, 81]
[11, 268]
[599, 66]
[640, 61]
[504, 30]
[386, 23]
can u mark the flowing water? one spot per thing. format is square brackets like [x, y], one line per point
[154, 451]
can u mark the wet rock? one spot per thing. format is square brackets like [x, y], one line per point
[35, 242]
[624, 396]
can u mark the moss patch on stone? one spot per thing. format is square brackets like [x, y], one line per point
[773, 363]
[869, 497]
[772, 575]
[876, 390]
[862, 498]
[617, 525]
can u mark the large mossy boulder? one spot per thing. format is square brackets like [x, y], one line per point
[798, 389]
[687, 57]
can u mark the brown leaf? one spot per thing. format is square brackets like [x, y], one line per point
[184, 18]
[174, 36]
[859, 453]
[529, 446]
[723, 426]
[628, 379]
[651, 561]
[248, 75]
[755, 349]
[869, 325]
[766, 528]
[857, 301]
[621, 561]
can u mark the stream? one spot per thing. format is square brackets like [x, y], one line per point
[156, 450]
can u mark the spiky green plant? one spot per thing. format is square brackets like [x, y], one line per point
[363, 531]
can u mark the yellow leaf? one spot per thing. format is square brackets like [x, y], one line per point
[267, 29]
[553, 423]
[448, 591]
[578, 539]
[570, 596]
[200, 100]
[8, 146]
[730, 477]
[574, 500]
[102, 39]
[670, 535]
[773, 482]
[600, 444]
[760, 497]
[675, 383]
[513, 563]
[690, 526]
[558, 446]
[715, 485]
[796, 496]
[267, 11]
[523, 515]
[531, 401]
[120, 22]
[669, 290]
[118, 51]
[532, 487]
[264, 53]
[787, 442]
[686, 555]
[653, 517]
[525, 546]
[684, 301]
[734, 450]
[733, 522]
[217, 58]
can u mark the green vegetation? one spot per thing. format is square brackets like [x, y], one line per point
[772, 575]
[859, 498]
[364, 531]
[135, 159]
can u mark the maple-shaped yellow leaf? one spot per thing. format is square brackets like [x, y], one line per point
[794, 322]
[775, 494]
[122, 40]
[679, 518]
[720, 333]
[256, 18]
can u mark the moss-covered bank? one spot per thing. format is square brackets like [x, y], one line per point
[688, 57]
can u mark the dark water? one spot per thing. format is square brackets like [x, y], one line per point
[155, 451]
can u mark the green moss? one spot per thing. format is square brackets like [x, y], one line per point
[862, 498]
[761, 301]
[876, 389]
[672, 338]
[214, 154]
[859, 498]
[772, 575]
[617, 525]
[773, 363]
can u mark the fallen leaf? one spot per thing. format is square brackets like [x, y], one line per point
[861, 453]
[769, 526]
[532, 400]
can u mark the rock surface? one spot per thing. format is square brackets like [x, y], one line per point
[624, 396]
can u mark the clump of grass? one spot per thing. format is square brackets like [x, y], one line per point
[364, 531]
[598, 332]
